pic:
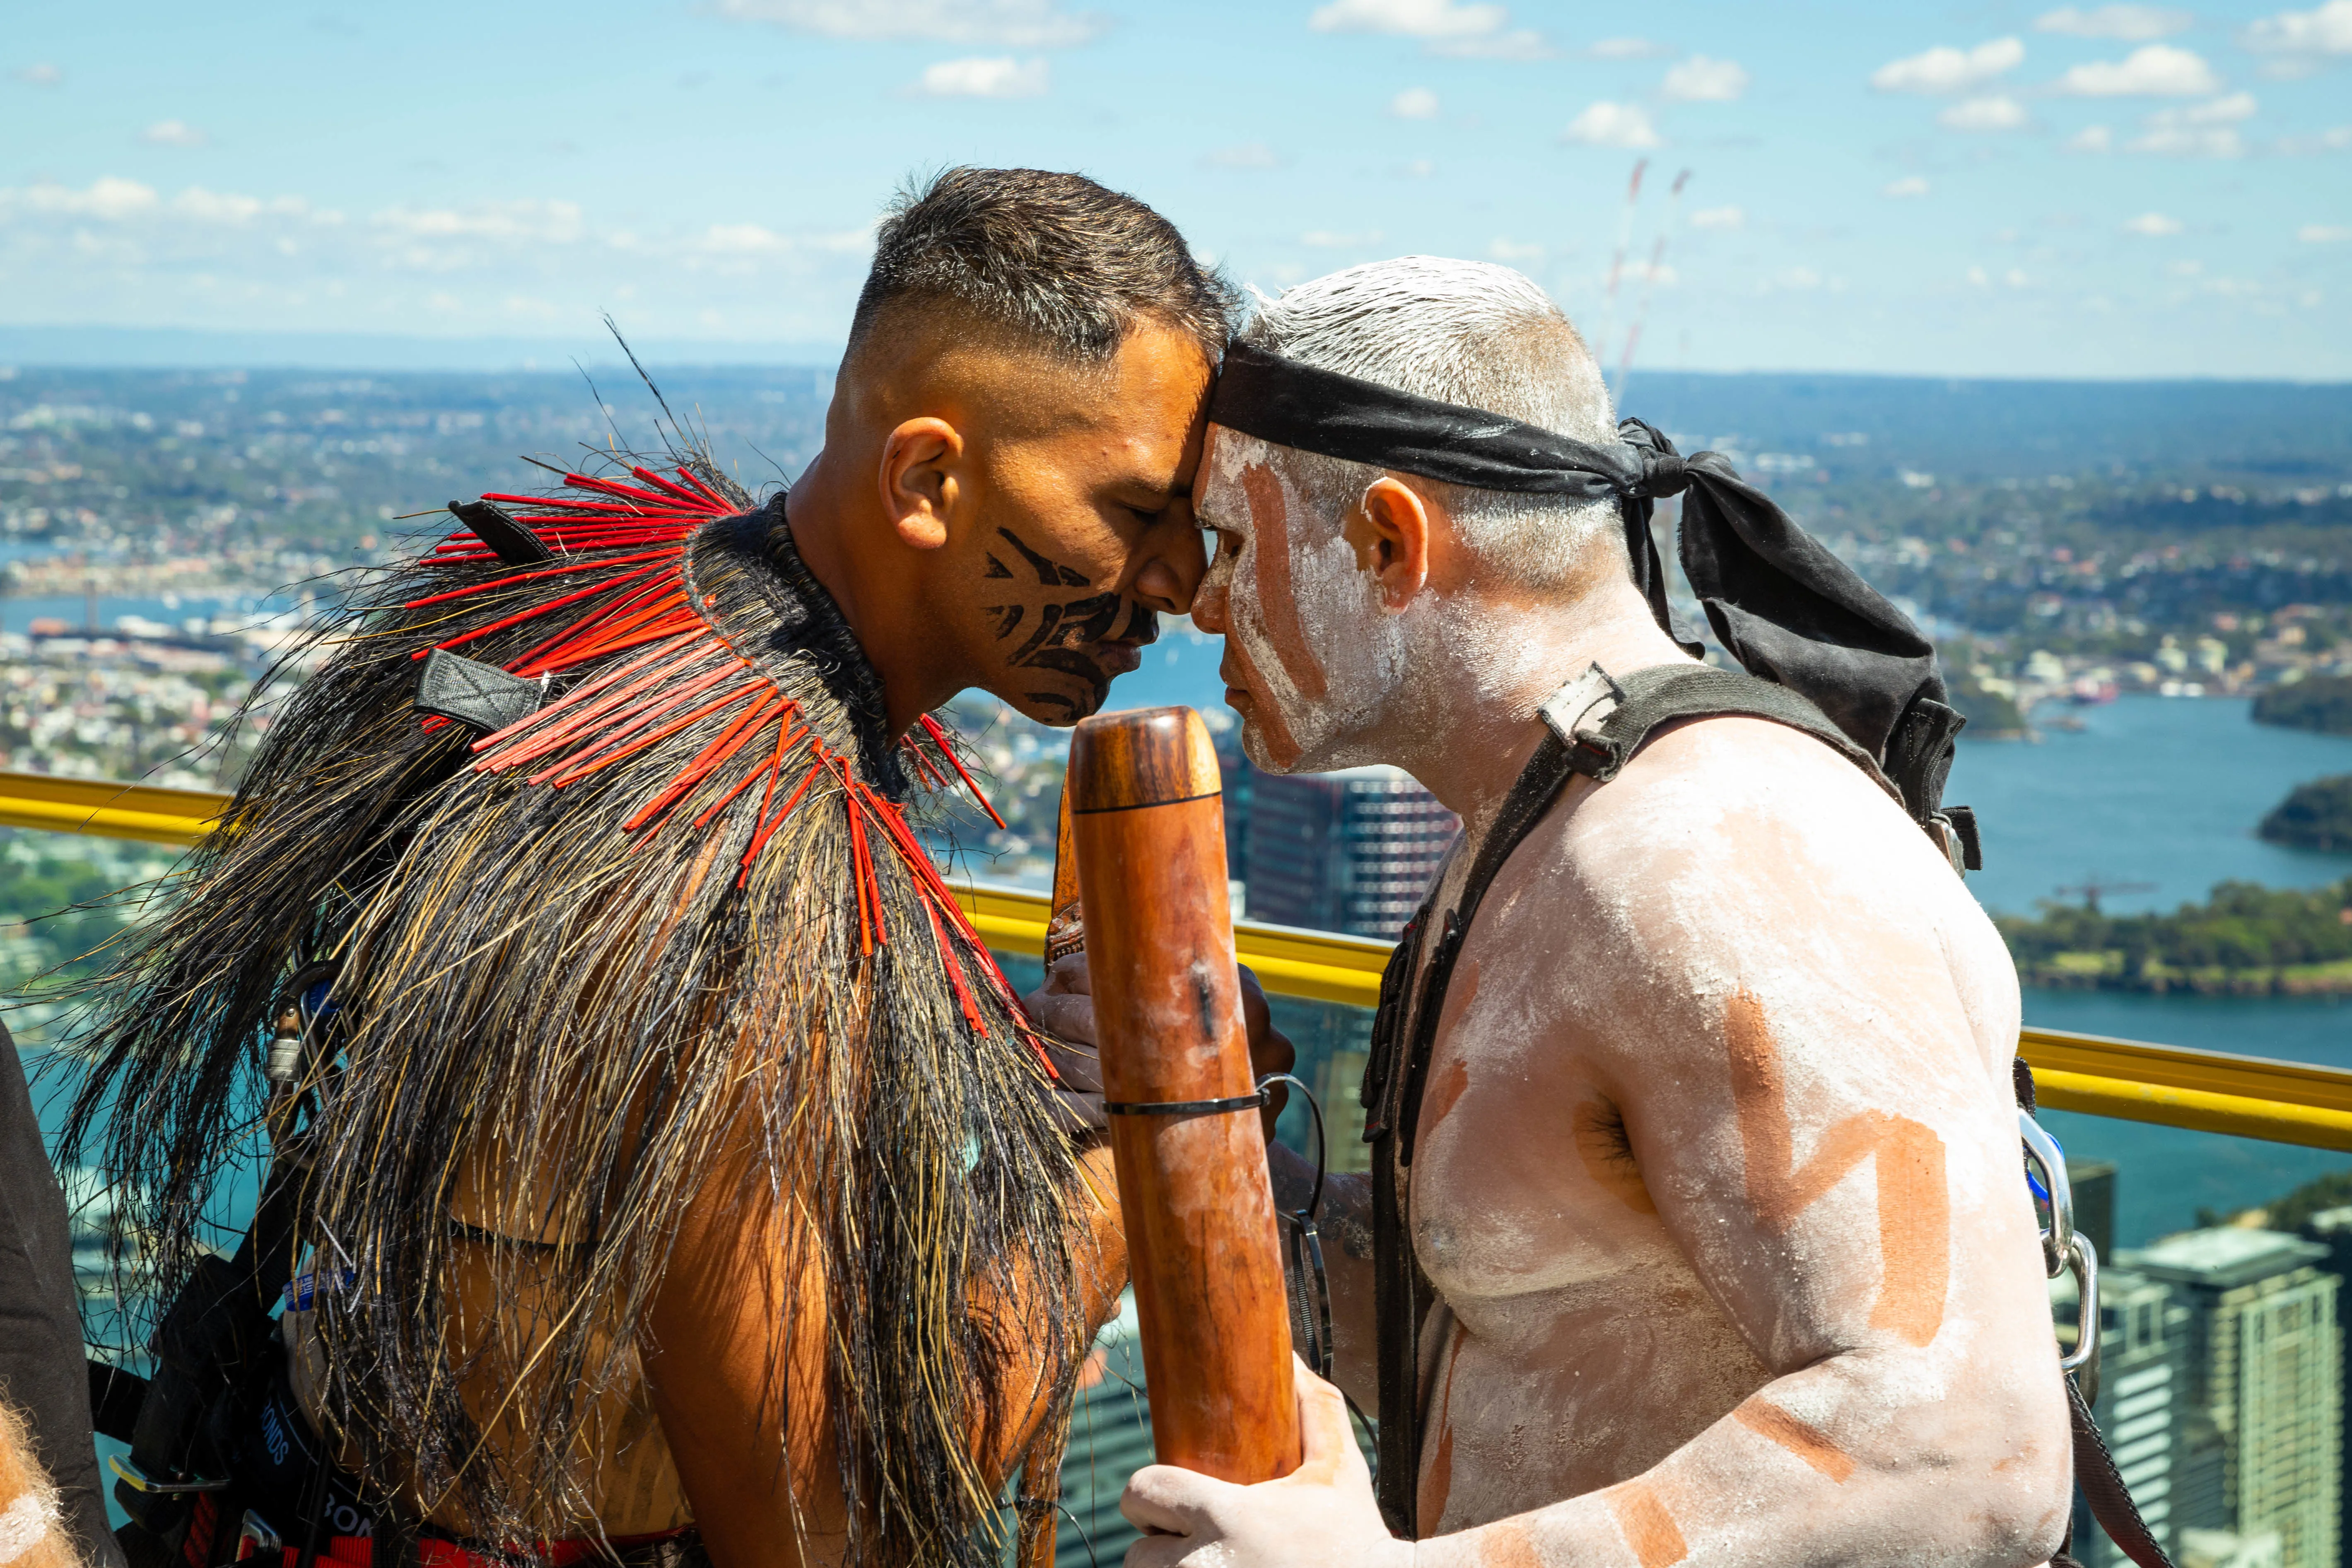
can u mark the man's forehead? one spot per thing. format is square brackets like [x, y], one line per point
[1222, 493]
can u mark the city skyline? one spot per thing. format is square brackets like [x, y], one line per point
[2110, 190]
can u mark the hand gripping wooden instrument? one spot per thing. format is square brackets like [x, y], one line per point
[1147, 823]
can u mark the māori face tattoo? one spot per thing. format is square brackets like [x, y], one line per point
[1076, 642]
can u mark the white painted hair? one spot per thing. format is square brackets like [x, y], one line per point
[1468, 332]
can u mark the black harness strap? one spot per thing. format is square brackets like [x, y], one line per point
[1593, 726]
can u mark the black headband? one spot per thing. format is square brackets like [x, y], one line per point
[1777, 599]
[1298, 405]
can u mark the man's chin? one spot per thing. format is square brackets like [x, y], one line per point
[1058, 706]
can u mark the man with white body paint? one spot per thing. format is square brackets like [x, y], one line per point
[1716, 1183]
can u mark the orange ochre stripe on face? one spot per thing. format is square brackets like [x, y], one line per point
[1277, 603]
[1268, 710]
[1649, 1529]
[1808, 1442]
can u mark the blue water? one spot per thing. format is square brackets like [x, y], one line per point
[2160, 789]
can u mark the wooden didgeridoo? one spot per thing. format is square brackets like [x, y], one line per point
[1147, 823]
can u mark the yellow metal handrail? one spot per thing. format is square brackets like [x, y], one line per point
[2247, 1096]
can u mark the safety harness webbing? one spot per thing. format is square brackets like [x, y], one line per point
[1593, 726]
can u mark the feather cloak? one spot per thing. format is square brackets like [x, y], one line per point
[684, 887]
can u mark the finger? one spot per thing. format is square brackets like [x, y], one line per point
[1326, 1441]
[1166, 1498]
[1070, 976]
[1158, 1552]
[1071, 1017]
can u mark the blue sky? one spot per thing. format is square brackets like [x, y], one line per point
[1977, 188]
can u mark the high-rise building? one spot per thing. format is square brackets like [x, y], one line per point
[2259, 1445]
[1350, 852]
[2093, 1181]
[2141, 1341]
[2332, 1228]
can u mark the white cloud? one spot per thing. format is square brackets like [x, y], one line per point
[2323, 233]
[1700, 79]
[2312, 36]
[1016, 23]
[1519, 44]
[1243, 156]
[1507, 250]
[1626, 50]
[749, 241]
[1908, 185]
[1410, 19]
[1414, 103]
[42, 75]
[514, 222]
[172, 133]
[202, 205]
[2130, 24]
[2091, 139]
[1418, 169]
[2199, 130]
[1998, 113]
[2180, 142]
[1947, 69]
[1607, 124]
[2214, 111]
[107, 197]
[2335, 138]
[2153, 70]
[2153, 225]
[1718, 217]
[985, 75]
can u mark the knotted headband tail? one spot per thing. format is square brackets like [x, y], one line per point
[1777, 600]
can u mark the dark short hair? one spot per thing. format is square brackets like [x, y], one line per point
[1053, 258]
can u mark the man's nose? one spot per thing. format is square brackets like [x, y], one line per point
[1209, 604]
[1172, 574]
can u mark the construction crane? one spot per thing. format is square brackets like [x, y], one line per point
[2094, 886]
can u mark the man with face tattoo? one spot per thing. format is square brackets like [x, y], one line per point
[1696, 1231]
[675, 1172]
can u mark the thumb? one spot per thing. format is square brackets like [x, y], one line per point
[1326, 1440]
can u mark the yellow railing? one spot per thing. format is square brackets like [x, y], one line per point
[2284, 1102]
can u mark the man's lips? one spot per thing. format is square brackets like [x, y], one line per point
[1235, 692]
[1117, 658]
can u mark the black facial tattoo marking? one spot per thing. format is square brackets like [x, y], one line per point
[1064, 628]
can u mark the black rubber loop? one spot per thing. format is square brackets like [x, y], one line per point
[1314, 1198]
[1183, 1107]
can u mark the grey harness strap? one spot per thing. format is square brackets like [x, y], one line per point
[1593, 726]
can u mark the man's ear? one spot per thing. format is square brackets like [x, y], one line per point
[1394, 543]
[920, 479]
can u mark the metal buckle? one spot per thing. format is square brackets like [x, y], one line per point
[141, 1480]
[2043, 1150]
[1578, 707]
[2082, 1262]
[256, 1538]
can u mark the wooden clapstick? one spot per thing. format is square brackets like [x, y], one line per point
[1065, 926]
[1147, 825]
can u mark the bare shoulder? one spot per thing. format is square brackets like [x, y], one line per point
[1737, 856]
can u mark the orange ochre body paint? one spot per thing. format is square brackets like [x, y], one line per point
[1808, 1443]
[1914, 1203]
[1650, 1529]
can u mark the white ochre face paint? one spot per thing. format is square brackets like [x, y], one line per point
[1308, 636]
